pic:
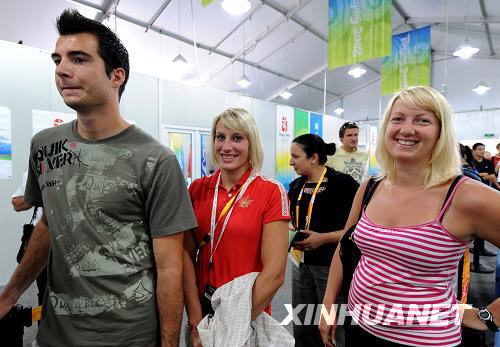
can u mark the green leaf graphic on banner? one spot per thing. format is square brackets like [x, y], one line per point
[206, 2]
[410, 62]
[358, 30]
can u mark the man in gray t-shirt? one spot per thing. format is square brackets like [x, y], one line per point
[115, 203]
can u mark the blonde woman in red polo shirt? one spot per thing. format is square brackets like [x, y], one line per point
[242, 221]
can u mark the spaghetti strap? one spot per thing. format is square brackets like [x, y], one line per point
[449, 196]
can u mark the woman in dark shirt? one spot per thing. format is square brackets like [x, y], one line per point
[320, 201]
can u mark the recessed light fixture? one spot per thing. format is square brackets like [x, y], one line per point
[338, 111]
[286, 95]
[465, 50]
[236, 7]
[481, 88]
[356, 71]
[244, 82]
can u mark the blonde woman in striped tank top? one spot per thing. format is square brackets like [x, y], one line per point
[413, 233]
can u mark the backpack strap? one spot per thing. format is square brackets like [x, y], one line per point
[34, 215]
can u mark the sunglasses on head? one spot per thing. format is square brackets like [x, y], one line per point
[349, 125]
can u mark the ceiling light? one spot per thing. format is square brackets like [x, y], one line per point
[338, 111]
[356, 71]
[180, 60]
[179, 68]
[286, 95]
[481, 88]
[465, 50]
[244, 81]
[236, 7]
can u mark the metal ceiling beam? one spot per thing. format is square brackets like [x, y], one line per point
[157, 14]
[302, 81]
[452, 20]
[304, 25]
[460, 29]
[402, 13]
[290, 15]
[252, 43]
[107, 10]
[249, 16]
[280, 47]
[486, 27]
[175, 36]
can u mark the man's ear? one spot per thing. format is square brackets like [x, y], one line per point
[118, 77]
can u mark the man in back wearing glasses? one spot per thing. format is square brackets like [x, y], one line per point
[349, 158]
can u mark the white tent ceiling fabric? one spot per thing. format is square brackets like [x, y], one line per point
[282, 43]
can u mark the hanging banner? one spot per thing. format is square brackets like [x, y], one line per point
[410, 62]
[5, 144]
[316, 124]
[358, 30]
[301, 122]
[284, 137]
[48, 119]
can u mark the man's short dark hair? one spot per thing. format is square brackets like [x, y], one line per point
[347, 125]
[110, 48]
[476, 145]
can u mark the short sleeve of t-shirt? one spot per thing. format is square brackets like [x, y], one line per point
[277, 206]
[32, 192]
[168, 205]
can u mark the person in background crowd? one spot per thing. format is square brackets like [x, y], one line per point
[466, 161]
[409, 256]
[320, 201]
[242, 222]
[484, 166]
[349, 158]
[115, 208]
[496, 160]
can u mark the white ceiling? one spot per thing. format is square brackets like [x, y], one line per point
[281, 43]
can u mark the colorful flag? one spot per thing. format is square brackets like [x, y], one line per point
[316, 124]
[284, 137]
[301, 122]
[410, 62]
[358, 30]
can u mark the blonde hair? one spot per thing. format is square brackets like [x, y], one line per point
[238, 119]
[445, 158]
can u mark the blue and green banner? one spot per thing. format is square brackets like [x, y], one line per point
[358, 30]
[301, 122]
[410, 62]
[316, 124]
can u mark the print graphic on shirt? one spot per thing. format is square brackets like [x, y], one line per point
[245, 202]
[354, 168]
[310, 190]
[113, 247]
[54, 156]
[138, 292]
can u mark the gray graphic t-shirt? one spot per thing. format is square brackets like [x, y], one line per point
[104, 200]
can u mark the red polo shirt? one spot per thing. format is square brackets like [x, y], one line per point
[238, 253]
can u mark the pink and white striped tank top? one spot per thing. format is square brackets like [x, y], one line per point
[402, 288]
